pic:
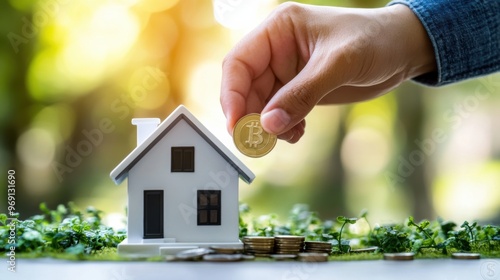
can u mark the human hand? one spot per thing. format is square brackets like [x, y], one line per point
[303, 55]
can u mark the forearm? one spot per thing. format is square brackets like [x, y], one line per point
[465, 35]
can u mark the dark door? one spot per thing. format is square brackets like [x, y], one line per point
[153, 214]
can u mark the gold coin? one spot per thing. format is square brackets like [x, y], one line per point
[290, 237]
[258, 238]
[227, 250]
[251, 139]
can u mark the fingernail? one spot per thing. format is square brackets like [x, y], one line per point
[229, 128]
[275, 121]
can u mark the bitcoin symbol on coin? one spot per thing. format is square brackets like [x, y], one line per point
[254, 134]
[250, 138]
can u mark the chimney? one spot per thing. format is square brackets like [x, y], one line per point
[145, 126]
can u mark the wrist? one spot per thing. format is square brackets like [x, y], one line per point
[418, 50]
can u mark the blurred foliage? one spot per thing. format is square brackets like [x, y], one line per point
[422, 237]
[73, 74]
[62, 230]
[69, 231]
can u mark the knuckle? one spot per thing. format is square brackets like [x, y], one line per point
[227, 60]
[301, 97]
[289, 9]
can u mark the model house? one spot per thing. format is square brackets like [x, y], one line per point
[182, 187]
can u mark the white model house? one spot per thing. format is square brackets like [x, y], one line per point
[182, 188]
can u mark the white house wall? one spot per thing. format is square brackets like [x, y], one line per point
[212, 172]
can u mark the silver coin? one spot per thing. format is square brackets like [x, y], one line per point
[466, 256]
[399, 256]
[192, 254]
[365, 250]
[284, 257]
[248, 257]
[222, 257]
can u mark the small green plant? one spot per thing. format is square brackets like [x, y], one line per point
[389, 238]
[471, 229]
[343, 245]
[424, 236]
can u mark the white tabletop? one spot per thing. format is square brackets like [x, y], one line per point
[442, 269]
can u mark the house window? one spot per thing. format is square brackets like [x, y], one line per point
[153, 214]
[182, 159]
[209, 208]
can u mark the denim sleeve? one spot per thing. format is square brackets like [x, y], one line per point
[465, 35]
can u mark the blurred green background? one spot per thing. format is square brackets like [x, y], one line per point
[74, 73]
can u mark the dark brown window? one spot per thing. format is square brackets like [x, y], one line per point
[209, 208]
[182, 159]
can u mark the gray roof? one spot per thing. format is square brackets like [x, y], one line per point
[181, 113]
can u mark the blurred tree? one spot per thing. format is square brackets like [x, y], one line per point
[411, 160]
[329, 196]
[16, 106]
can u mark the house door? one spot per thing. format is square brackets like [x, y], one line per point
[153, 214]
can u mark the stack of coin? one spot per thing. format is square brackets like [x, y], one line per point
[318, 247]
[288, 244]
[259, 246]
[313, 257]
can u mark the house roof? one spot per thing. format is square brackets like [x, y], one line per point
[181, 113]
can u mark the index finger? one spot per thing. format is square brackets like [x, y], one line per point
[244, 63]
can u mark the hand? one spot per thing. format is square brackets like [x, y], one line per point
[305, 55]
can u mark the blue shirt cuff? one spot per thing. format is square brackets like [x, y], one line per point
[465, 36]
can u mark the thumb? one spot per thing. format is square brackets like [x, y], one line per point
[291, 104]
